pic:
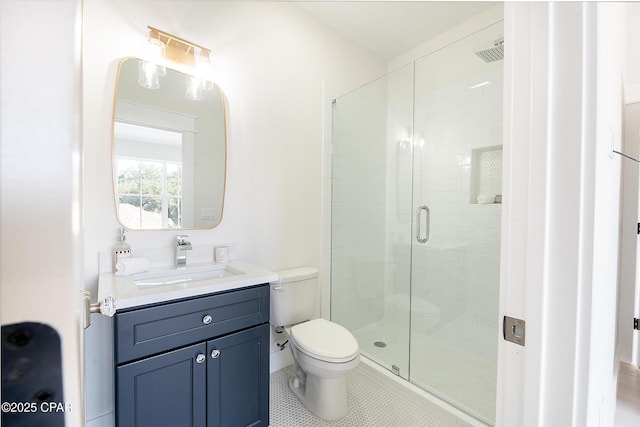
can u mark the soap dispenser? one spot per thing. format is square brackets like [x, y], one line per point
[121, 249]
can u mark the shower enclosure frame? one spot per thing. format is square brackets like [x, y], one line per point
[420, 230]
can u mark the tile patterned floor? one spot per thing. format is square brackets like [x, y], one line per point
[446, 369]
[370, 405]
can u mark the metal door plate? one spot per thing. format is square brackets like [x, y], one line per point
[514, 330]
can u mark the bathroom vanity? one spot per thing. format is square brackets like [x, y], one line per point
[195, 360]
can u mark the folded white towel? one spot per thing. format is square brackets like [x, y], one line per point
[128, 266]
[484, 199]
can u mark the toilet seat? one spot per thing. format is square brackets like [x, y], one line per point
[325, 340]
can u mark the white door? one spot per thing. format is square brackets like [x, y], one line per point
[561, 219]
[41, 254]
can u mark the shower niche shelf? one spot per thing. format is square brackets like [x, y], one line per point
[486, 175]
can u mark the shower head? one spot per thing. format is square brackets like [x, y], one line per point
[496, 53]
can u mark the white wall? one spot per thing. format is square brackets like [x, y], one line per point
[272, 61]
[40, 176]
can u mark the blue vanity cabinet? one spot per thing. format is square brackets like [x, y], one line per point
[196, 362]
[238, 379]
[164, 390]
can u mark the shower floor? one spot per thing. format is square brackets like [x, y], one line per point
[455, 372]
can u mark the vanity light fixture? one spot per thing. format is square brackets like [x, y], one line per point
[180, 51]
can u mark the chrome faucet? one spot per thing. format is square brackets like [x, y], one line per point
[182, 246]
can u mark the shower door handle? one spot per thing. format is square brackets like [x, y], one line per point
[427, 230]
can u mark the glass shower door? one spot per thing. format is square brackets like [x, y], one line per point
[415, 221]
[455, 254]
[371, 217]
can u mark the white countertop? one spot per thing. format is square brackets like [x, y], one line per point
[127, 294]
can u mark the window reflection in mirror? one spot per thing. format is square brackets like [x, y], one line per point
[149, 176]
[169, 152]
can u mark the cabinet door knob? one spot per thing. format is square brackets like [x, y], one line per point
[215, 354]
[207, 319]
[200, 358]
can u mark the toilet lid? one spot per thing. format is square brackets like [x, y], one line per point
[325, 340]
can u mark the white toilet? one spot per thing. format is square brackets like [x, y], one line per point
[323, 351]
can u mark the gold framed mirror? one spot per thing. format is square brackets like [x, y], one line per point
[168, 150]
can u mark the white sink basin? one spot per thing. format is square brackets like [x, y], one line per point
[185, 275]
[168, 283]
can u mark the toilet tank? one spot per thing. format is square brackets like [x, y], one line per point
[293, 296]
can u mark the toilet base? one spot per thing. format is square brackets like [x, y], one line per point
[324, 397]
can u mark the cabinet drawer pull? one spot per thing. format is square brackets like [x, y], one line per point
[215, 354]
[207, 319]
[200, 358]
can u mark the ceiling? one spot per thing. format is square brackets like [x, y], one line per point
[389, 28]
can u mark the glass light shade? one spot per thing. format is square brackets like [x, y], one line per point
[206, 84]
[194, 89]
[203, 68]
[148, 75]
[155, 52]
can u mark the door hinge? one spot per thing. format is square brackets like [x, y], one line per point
[636, 324]
[514, 330]
[639, 228]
